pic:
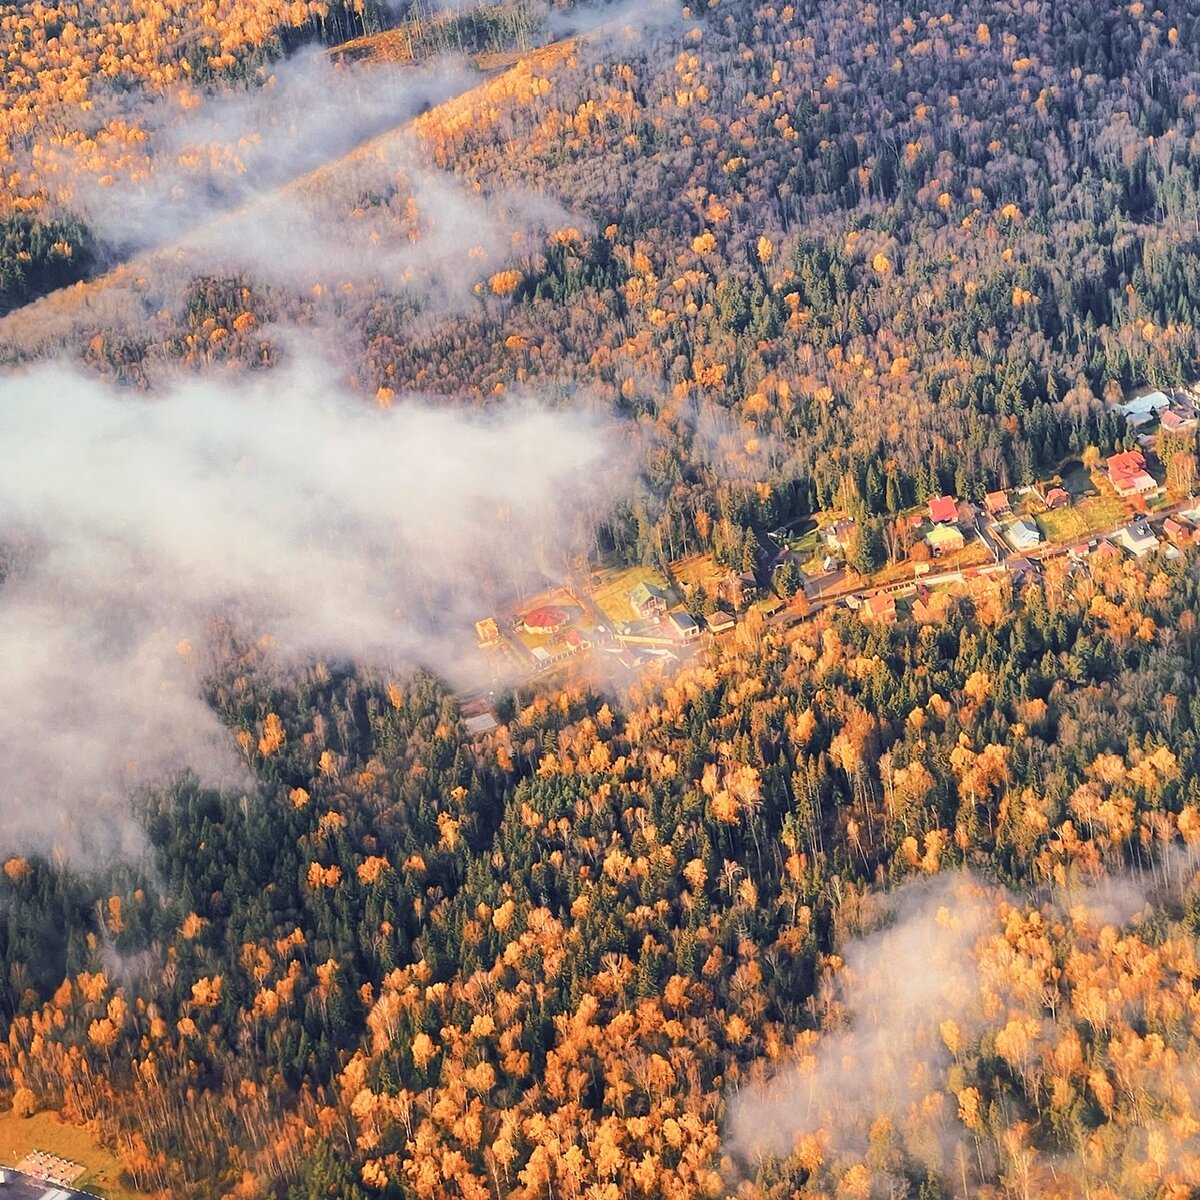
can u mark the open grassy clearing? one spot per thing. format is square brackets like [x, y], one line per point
[1102, 512]
[1062, 524]
[611, 594]
[46, 1131]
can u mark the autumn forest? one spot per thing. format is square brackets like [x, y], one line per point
[331, 331]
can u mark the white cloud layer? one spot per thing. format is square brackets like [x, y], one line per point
[341, 530]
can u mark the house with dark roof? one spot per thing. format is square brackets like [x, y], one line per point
[720, 621]
[734, 589]
[1139, 539]
[683, 625]
[839, 537]
[1021, 570]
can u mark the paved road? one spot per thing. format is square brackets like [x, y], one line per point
[789, 617]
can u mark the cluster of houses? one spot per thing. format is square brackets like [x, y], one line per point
[1139, 539]
[1175, 413]
[653, 606]
[945, 537]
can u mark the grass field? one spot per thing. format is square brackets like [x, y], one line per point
[1062, 524]
[611, 594]
[1102, 513]
[697, 570]
[807, 544]
[45, 1131]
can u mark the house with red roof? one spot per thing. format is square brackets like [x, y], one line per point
[943, 510]
[996, 503]
[1129, 476]
[1177, 422]
[547, 618]
[878, 609]
[1178, 534]
[1058, 497]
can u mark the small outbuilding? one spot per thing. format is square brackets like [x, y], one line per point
[488, 631]
[683, 625]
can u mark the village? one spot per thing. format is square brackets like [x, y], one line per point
[1133, 503]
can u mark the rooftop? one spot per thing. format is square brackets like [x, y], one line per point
[943, 535]
[1150, 402]
[20, 1186]
[943, 509]
[547, 616]
[645, 591]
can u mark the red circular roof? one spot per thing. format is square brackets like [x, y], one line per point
[547, 617]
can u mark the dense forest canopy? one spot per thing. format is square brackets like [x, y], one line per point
[905, 252]
[802, 257]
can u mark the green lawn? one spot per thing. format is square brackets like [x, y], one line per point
[1102, 513]
[1078, 481]
[1062, 524]
[806, 545]
[611, 594]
